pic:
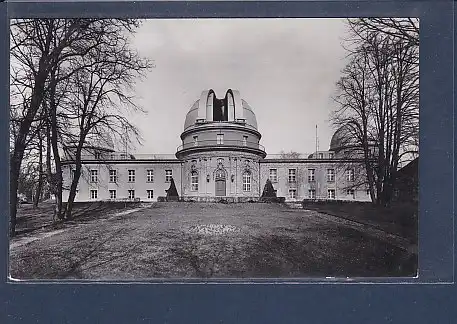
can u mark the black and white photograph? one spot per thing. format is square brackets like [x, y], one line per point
[207, 149]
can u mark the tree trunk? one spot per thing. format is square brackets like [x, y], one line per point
[55, 150]
[40, 171]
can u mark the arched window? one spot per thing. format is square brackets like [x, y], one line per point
[247, 181]
[194, 180]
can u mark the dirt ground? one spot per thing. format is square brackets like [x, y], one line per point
[201, 240]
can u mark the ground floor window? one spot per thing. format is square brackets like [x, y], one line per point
[194, 181]
[112, 194]
[247, 181]
[331, 193]
[351, 193]
[131, 194]
[94, 194]
[292, 193]
[150, 193]
[312, 194]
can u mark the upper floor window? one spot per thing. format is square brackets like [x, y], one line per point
[168, 175]
[194, 181]
[311, 175]
[292, 175]
[245, 141]
[195, 140]
[112, 176]
[220, 138]
[330, 175]
[150, 175]
[321, 155]
[246, 181]
[98, 155]
[131, 175]
[350, 174]
[93, 175]
[274, 175]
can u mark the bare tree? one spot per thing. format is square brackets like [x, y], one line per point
[378, 104]
[289, 155]
[38, 46]
[100, 99]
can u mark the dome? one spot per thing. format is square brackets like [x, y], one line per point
[211, 109]
[342, 138]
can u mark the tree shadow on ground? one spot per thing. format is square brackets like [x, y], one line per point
[70, 263]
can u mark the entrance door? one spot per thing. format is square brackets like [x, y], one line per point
[220, 183]
[220, 187]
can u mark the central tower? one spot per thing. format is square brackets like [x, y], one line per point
[220, 148]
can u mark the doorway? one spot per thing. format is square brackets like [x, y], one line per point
[220, 183]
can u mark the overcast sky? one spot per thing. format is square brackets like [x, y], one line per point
[285, 69]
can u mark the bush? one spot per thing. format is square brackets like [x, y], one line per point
[268, 190]
[161, 199]
[172, 193]
[276, 200]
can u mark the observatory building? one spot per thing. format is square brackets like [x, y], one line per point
[220, 158]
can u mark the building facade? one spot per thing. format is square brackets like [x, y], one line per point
[220, 157]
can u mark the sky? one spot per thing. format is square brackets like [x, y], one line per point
[286, 69]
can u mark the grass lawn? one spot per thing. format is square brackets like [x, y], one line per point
[202, 240]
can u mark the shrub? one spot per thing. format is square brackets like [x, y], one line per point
[268, 190]
[172, 193]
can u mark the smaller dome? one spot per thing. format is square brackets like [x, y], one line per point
[343, 137]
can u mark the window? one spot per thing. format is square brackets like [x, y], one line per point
[292, 175]
[150, 175]
[331, 193]
[311, 175]
[94, 194]
[150, 193]
[194, 181]
[292, 193]
[112, 176]
[131, 194]
[220, 138]
[195, 140]
[321, 155]
[112, 194]
[350, 175]
[93, 175]
[330, 175]
[368, 192]
[312, 194]
[330, 155]
[351, 192]
[131, 176]
[72, 174]
[168, 175]
[98, 156]
[246, 181]
[245, 141]
[274, 175]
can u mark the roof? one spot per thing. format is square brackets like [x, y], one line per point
[198, 109]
